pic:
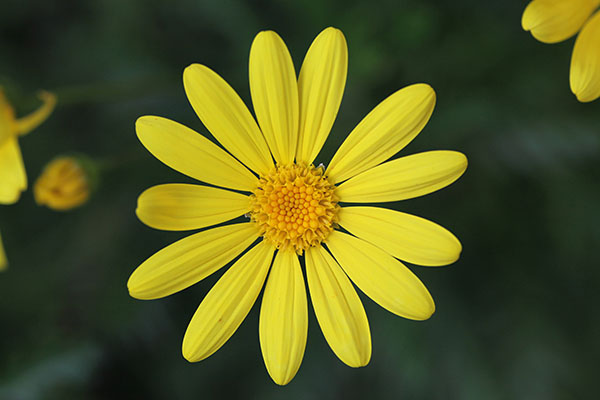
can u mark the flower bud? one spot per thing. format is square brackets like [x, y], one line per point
[65, 183]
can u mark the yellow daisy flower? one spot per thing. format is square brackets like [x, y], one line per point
[13, 179]
[294, 207]
[552, 21]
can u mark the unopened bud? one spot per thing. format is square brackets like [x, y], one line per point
[65, 183]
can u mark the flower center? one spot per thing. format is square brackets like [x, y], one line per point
[294, 206]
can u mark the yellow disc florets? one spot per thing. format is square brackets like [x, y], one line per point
[294, 206]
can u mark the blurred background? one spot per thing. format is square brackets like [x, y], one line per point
[517, 315]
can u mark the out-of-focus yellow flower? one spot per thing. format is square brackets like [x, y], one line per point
[64, 184]
[3, 260]
[13, 179]
[552, 21]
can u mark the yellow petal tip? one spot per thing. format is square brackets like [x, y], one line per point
[583, 95]
[360, 363]
[427, 312]
[526, 20]
[282, 380]
[135, 287]
[193, 68]
[426, 92]
[332, 30]
[266, 32]
[188, 353]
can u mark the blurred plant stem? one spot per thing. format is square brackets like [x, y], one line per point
[109, 164]
[112, 91]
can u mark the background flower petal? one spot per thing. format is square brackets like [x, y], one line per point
[7, 118]
[585, 62]
[404, 178]
[3, 259]
[227, 304]
[192, 154]
[320, 89]
[283, 323]
[226, 116]
[180, 207]
[383, 132]
[189, 260]
[275, 94]
[13, 179]
[29, 122]
[407, 237]
[338, 308]
[381, 277]
[552, 21]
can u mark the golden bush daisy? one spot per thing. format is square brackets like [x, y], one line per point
[294, 207]
[553, 21]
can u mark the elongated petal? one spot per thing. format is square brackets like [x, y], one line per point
[552, 21]
[13, 179]
[381, 277]
[275, 94]
[29, 122]
[189, 260]
[283, 325]
[7, 119]
[404, 236]
[192, 154]
[404, 178]
[226, 116]
[180, 207]
[338, 308]
[320, 88]
[383, 132]
[3, 259]
[227, 304]
[585, 63]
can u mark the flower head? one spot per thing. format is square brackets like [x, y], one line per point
[13, 179]
[64, 184]
[552, 21]
[296, 210]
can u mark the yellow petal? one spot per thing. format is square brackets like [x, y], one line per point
[383, 132]
[275, 94]
[3, 260]
[13, 179]
[227, 304]
[407, 237]
[7, 119]
[552, 21]
[189, 260]
[585, 63]
[192, 154]
[284, 318]
[180, 207]
[404, 178]
[29, 122]
[320, 88]
[339, 310]
[226, 116]
[381, 277]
